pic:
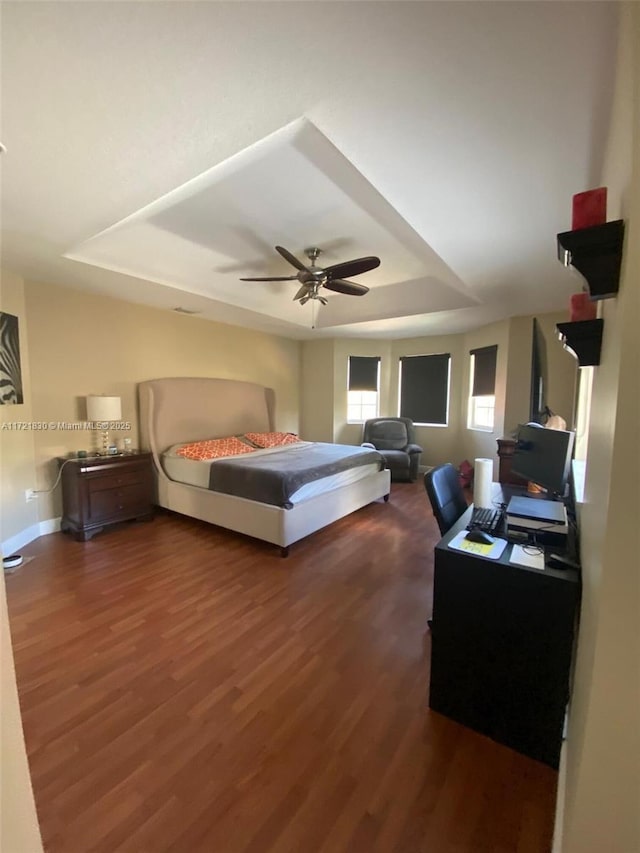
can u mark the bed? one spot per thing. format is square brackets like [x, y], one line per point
[179, 410]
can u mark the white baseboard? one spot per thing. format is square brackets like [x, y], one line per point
[51, 525]
[42, 528]
[558, 828]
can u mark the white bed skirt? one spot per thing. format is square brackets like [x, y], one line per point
[282, 527]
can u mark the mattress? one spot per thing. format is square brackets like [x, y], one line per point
[194, 473]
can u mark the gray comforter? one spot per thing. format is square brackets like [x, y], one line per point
[272, 478]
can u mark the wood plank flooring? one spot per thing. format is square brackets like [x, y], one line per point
[186, 689]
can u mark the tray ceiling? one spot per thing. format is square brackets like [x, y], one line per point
[157, 152]
[293, 188]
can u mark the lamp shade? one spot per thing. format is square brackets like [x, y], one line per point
[103, 408]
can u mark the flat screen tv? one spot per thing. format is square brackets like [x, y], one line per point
[537, 399]
[543, 456]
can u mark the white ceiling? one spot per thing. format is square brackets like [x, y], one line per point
[157, 152]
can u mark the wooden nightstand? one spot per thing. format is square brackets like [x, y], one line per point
[102, 490]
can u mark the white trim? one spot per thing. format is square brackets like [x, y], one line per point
[558, 826]
[51, 525]
[41, 528]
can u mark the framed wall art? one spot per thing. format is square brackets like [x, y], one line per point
[10, 368]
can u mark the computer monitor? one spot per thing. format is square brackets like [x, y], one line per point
[543, 456]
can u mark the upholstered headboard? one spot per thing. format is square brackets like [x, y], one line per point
[184, 409]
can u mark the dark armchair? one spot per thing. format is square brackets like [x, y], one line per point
[395, 439]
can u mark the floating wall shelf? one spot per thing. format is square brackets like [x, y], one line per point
[583, 340]
[596, 253]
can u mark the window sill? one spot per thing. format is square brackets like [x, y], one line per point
[436, 426]
[481, 429]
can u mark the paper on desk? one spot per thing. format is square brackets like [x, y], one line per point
[520, 558]
[477, 549]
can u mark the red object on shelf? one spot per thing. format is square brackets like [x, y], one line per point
[582, 308]
[589, 208]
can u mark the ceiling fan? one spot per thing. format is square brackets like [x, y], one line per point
[312, 278]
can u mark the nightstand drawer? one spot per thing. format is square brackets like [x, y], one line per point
[122, 478]
[109, 503]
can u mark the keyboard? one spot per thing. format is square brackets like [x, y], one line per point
[489, 520]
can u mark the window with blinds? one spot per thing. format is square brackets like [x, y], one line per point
[482, 388]
[424, 388]
[363, 388]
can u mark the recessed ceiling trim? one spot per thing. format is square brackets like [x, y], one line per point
[293, 188]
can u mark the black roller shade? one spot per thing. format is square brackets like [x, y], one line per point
[363, 372]
[484, 371]
[424, 388]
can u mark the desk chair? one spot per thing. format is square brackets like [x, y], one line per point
[447, 498]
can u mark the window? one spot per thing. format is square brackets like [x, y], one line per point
[482, 384]
[363, 388]
[424, 388]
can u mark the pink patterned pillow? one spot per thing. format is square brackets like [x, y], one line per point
[215, 448]
[272, 439]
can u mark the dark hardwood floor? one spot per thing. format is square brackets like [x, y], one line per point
[186, 689]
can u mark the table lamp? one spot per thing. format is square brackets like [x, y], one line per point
[102, 410]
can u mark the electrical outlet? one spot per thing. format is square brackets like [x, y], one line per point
[29, 495]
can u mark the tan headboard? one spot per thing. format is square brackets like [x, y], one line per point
[184, 409]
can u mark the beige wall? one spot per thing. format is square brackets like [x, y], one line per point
[601, 808]
[82, 344]
[516, 408]
[316, 411]
[325, 373]
[19, 831]
[17, 465]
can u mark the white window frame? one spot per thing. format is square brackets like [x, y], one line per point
[367, 408]
[367, 402]
[478, 405]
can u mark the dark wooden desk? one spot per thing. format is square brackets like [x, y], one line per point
[502, 642]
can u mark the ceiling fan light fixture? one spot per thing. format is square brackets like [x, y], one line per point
[312, 278]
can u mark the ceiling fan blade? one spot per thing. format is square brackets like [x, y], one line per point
[292, 259]
[348, 287]
[301, 292]
[273, 278]
[349, 268]
[304, 300]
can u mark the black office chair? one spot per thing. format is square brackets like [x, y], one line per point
[447, 498]
[445, 494]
